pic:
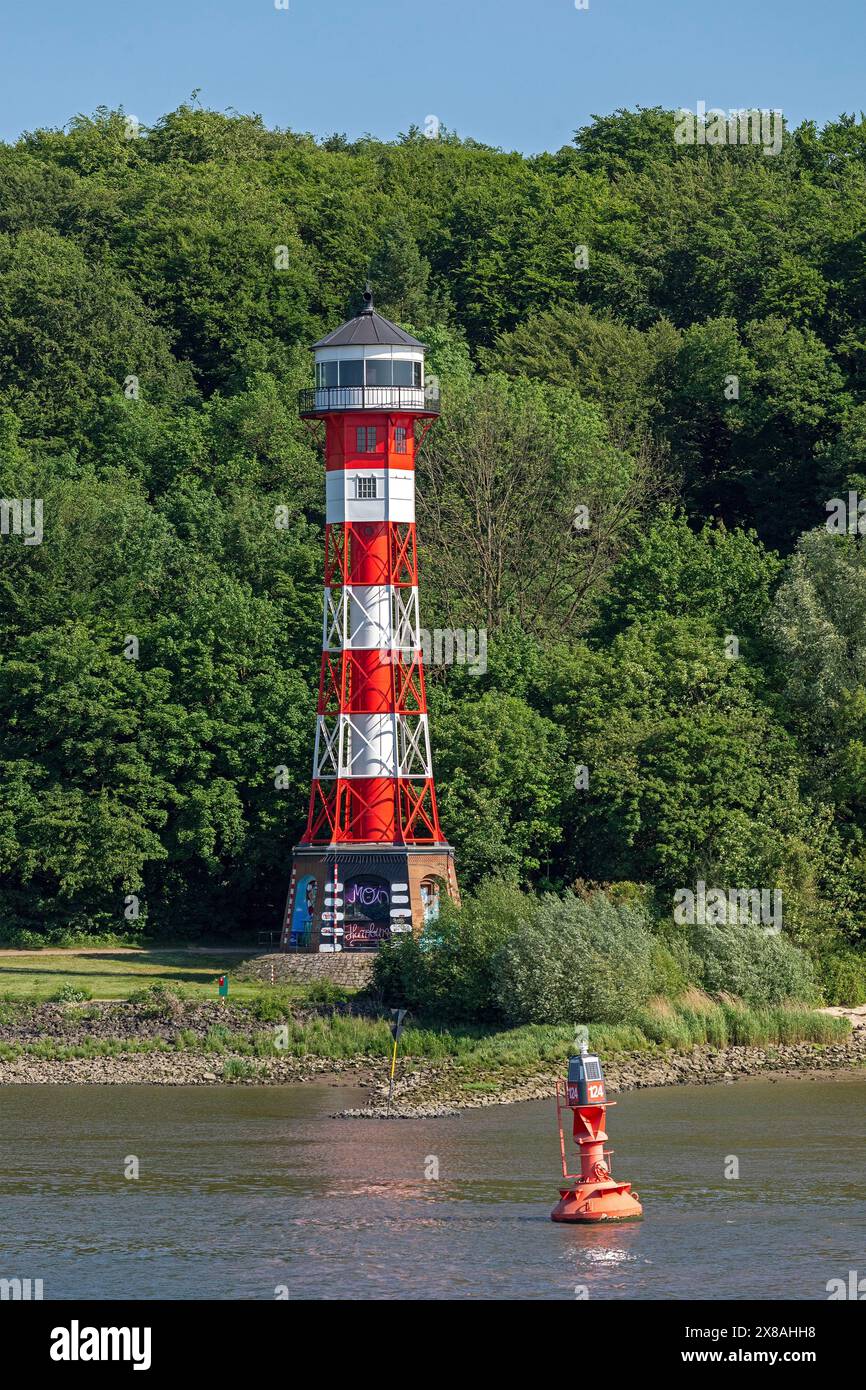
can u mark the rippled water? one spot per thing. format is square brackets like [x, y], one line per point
[242, 1190]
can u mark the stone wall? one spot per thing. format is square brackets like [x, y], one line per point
[352, 969]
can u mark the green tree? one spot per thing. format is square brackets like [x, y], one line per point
[726, 577]
[501, 772]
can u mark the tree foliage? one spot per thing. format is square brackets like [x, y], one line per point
[654, 379]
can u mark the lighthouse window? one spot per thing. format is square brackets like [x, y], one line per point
[400, 440]
[352, 373]
[366, 438]
[366, 488]
[416, 380]
[326, 374]
[379, 371]
[403, 373]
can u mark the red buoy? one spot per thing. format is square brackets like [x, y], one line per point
[591, 1195]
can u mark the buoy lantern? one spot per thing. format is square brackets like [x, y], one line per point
[591, 1195]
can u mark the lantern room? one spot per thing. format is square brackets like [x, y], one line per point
[370, 364]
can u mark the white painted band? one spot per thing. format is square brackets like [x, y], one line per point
[395, 499]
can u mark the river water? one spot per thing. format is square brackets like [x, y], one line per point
[246, 1191]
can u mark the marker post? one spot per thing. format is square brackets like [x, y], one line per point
[396, 1030]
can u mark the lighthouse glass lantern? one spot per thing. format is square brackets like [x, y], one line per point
[373, 855]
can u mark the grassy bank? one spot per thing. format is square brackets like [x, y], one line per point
[108, 974]
[695, 1019]
[691, 1020]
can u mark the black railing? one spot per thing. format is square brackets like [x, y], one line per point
[318, 399]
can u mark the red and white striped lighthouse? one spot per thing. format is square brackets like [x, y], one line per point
[373, 860]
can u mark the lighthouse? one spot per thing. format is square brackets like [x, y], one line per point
[373, 861]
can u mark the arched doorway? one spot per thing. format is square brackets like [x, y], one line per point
[431, 899]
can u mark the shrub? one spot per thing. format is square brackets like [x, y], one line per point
[579, 961]
[669, 977]
[758, 967]
[326, 992]
[843, 978]
[466, 944]
[157, 993]
[677, 965]
[271, 1006]
[21, 939]
[450, 972]
[72, 994]
[401, 973]
[159, 1000]
[239, 1069]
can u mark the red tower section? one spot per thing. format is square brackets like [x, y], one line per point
[371, 689]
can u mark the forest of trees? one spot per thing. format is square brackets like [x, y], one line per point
[671, 337]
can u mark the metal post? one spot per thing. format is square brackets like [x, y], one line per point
[391, 1083]
[396, 1030]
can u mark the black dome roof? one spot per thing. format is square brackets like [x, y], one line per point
[368, 329]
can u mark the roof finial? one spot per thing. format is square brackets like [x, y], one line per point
[368, 299]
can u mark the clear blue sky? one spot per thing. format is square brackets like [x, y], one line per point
[522, 74]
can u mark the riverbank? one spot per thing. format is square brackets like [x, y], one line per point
[444, 1088]
[170, 1042]
[432, 1087]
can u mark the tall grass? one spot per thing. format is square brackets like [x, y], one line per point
[695, 1019]
[692, 1019]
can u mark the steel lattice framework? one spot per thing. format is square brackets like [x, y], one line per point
[372, 771]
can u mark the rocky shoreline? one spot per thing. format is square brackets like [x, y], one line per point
[423, 1089]
[441, 1090]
